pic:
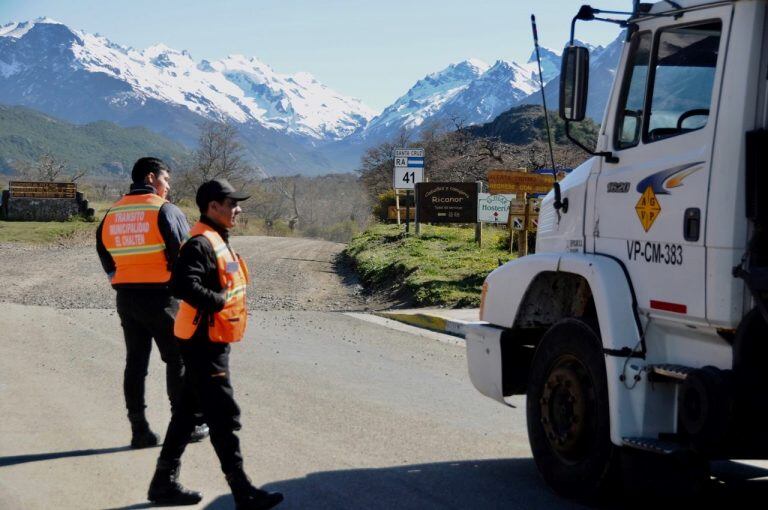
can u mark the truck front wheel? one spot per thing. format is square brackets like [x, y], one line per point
[567, 412]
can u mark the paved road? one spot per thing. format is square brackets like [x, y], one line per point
[338, 412]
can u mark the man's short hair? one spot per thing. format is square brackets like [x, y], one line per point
[145, 166]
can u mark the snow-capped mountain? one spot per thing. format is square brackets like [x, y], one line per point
[550, 63]
[602, 71]
[550, 59]
[466, 93]
[501, 86]
[425, 100]
[287, 123]
[295, 103]
[83, 77]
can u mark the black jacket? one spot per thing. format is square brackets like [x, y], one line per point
[195, 276]
[173, 227]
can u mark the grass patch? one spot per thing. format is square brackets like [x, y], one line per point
[46, 232]
[76, 230]
[444, 266]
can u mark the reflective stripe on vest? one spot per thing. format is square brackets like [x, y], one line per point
[228, 324]
[130, 234]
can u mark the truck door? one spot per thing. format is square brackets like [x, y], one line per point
[650, 206]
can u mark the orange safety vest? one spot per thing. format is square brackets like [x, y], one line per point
[228, 324]
[131, 235]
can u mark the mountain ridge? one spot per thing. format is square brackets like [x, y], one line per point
[289, 123]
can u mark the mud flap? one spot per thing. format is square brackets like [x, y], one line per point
[485, 360]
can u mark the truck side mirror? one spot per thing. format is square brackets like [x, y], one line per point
[574, 78]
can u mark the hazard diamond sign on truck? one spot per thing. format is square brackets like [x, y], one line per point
[409, 168]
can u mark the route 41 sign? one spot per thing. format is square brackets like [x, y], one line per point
[409, 168]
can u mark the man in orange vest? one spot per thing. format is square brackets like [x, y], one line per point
[210, 279]
[138, 241]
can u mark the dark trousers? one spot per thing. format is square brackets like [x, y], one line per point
[144, 315]
[207, 385]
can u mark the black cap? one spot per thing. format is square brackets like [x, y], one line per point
[217, 189]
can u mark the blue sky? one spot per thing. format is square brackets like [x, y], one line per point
[372, 50]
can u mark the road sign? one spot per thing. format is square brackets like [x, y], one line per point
[409, 168]
[518, 222]
[409, 153]
[406, 178]
[511, 181]
[493, 208]
[518, 207]
[447, 202]
[409, 162]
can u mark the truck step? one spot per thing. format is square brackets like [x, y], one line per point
[649, 444]
[668, 373]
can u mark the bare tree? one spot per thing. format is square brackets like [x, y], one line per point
[219, 155]
[491, 149]
[47, 168]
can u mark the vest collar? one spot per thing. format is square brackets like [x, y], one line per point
[224, 233]
[142, 189]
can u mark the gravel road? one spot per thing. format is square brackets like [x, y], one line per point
[287, 274]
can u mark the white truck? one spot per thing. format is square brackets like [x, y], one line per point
[640, 324]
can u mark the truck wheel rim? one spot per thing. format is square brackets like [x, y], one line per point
[565, 408]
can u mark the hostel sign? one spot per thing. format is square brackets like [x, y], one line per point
[493, 208]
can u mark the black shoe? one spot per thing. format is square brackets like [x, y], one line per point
[201, 432]
[165, 488]
[142, 435]
[248, 497]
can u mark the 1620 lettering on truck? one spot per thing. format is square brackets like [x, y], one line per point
[640, 325]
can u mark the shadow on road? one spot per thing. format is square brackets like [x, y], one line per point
[510, 484]
[489, 484]
[137, 506]
[36, 457]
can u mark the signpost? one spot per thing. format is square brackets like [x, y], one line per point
[493, 208]
[446, 202]
[523, 213]
[393, 213]
[29, 189]
[43, 201]
[514, 181]
[409, 170]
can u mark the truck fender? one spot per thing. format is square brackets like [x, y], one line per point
[620, 327]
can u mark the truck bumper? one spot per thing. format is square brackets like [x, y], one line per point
[484, 359]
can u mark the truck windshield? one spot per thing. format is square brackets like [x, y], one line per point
[683, 77]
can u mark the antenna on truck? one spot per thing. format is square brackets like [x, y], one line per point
[559, 204]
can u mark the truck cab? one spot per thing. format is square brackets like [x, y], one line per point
[640, 323]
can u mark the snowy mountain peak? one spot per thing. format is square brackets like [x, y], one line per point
[238, 88]
[466, 69]
[17, 30]
[474, 64]
[546, 53]
[159, 49]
